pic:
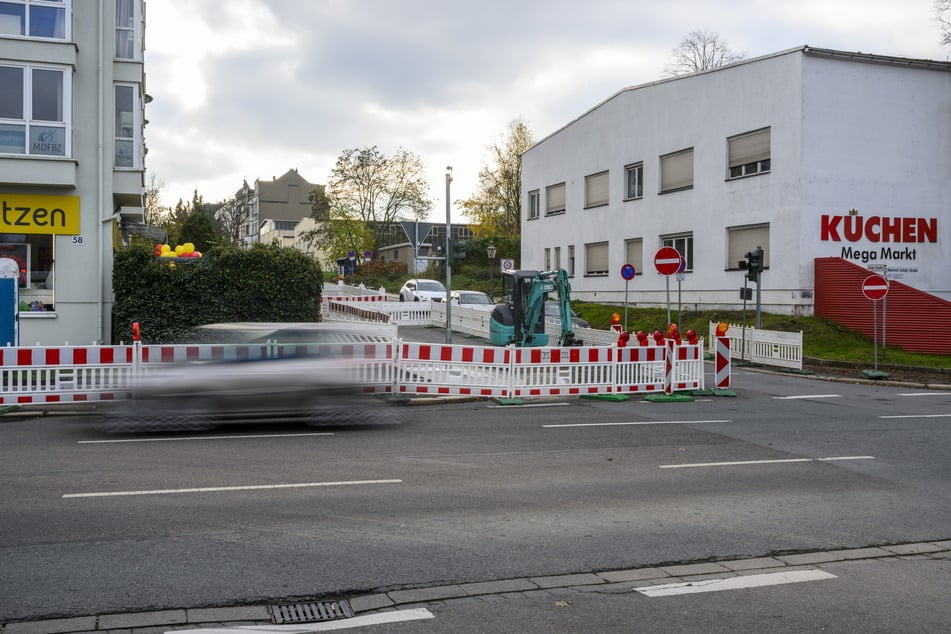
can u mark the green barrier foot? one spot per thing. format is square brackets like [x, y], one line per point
[875, 374]
[669, 398]
[509, 401]
[722, 391]
[6, 409]
[702, 393]
[607, 397]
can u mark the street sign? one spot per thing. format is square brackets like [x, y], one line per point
[667, 260]
[875, 287]
[507, 264]
[416, 232]
[628, 272]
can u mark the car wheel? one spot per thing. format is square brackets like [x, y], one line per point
[415, 299]
[402, 299]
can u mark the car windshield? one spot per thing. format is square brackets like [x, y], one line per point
[551, 310]
[430, 286]
[474, 298]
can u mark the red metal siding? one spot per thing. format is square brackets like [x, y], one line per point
[914, 320]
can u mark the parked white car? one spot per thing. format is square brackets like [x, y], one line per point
[472, 299]
[419, 290]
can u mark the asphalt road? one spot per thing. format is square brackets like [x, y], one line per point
[465, 492]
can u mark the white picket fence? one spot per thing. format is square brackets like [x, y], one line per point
[766, 347]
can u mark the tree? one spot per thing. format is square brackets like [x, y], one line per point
[497, 205]
[152, 207]
[230, 217]
[701, 50]
[369, 188]
[199, 230]
[942, 10]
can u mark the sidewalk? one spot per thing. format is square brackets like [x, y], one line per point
[258, 618]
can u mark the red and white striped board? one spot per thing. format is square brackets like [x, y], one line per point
[722, 377]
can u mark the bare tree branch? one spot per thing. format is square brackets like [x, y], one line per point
[701, 50]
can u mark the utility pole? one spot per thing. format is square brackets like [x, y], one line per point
[448, 260]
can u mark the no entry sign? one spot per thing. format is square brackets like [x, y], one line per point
[667, 260]
[875, 287]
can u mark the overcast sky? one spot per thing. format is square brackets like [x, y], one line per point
[248, 89]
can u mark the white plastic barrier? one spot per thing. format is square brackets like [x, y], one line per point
[640, 369]
[766, 347]
[563, 371]
[435, 369]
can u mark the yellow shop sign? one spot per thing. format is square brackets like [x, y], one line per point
[25, 213]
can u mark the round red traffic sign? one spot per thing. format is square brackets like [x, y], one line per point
[628, 272]
[875, 287]
[667, 260]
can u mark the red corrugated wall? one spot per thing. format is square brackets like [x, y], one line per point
[914, 320]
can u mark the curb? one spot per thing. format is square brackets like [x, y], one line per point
[603, 581]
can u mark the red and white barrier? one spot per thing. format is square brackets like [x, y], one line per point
[571, 371]
[640, 369]
[722, 376]
[434, 369]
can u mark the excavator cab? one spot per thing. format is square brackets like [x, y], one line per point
[520, 318]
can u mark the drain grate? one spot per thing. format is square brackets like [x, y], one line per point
[310, 612]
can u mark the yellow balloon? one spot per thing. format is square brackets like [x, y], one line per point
[166, 248]
[168, 254]
[188, 247]
[179, 250]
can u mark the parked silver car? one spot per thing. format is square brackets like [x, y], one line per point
[472, 299]
[298, 385]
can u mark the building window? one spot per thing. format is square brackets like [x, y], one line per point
[749, 153]
[596, 190]
[533, 205]
[33, 115]
[742, 240]
[684, 245]
[676, 171]
[571, 260]
[35, 18]
[634, 254]
[555, 199]
[547, 259]
[128, 126]
[557, 258]
[127, 32]
[634, 181]
[596, 259]
[33, 254]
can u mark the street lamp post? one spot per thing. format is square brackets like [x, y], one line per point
[490, 250]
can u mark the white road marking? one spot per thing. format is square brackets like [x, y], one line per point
[790, 398]
[734, 583]
[917, 416]
[246, 437]
[398, 616]
[747, 462]
[253, 487]
[645, 422]
[931, 393]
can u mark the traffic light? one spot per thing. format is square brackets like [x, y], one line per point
[753, 264]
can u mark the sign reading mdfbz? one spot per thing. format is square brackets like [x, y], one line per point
[39, 214]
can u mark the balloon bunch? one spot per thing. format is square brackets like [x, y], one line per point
[186, 250]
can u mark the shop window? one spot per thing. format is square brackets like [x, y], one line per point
[555, 199]
[749, 153]
[684, 245]
[596, 259]
[34, 116]
[596, 190]
[676, 171]
[34, 256]
[35, 18]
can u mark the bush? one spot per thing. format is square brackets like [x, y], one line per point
[170, 296]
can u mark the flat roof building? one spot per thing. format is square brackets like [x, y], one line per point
[808, 153]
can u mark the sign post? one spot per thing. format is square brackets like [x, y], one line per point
[627, 272]
[875, 288]
[667, 261]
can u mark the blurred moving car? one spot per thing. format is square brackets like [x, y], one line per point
[303, 385]
[472, 299]
[422, 290]
[552, 314]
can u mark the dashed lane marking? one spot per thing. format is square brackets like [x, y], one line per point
[734, 583]
[917, 416]
[752, 462]
[644, 422]
[253, 487]
[801, 396]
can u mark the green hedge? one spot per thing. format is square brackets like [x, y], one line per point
[170, 296]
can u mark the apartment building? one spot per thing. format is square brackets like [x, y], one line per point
[71, 159]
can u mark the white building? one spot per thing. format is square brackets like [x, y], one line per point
[71, 158]
[807, 152]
